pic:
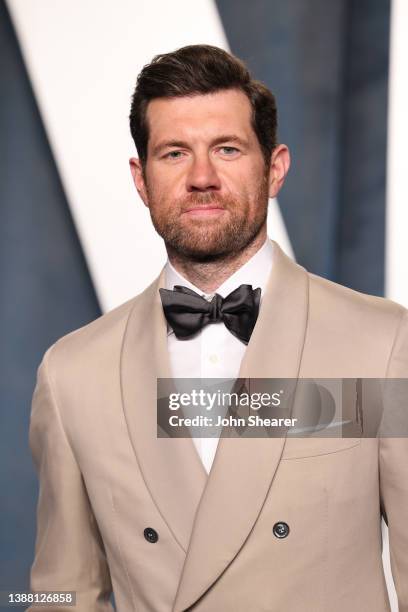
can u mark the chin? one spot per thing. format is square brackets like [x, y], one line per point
[204, 251]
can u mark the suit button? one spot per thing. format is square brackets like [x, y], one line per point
[151, 535]
[281, 529]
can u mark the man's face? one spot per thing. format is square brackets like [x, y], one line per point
[205, 180]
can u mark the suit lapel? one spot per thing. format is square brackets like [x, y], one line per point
[244, 468]
[210, 517]
[171, 468]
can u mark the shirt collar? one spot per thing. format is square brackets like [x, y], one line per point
[254, 272]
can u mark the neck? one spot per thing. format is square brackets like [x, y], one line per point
[208, 276]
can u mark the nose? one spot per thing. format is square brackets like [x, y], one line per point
[202, 175]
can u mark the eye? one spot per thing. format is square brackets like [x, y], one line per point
[173, 155]
[229, 151]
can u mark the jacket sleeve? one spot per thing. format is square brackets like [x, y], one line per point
[393, 464]
[69, 553]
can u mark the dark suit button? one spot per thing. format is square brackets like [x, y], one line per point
[151, 535]
[281, 529]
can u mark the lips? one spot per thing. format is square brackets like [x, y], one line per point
[204, 209]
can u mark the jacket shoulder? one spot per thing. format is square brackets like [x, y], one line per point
[350, 333]
[97, 338]
[350, 302]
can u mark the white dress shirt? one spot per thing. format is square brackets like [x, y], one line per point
[214, 352]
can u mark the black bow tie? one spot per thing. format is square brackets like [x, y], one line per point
[187, 312]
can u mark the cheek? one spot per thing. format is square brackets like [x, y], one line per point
[162, 203]
[165, 178]
[246, 180]
[158, 193]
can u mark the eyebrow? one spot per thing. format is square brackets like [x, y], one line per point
[182, 144]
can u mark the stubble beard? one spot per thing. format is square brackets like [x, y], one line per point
[209, 239]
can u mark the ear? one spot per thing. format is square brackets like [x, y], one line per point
[279, 167]
[138, 178]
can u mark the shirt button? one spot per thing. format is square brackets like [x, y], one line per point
[151, 535]
[213, 358]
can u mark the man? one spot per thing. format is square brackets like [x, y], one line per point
[276, 524]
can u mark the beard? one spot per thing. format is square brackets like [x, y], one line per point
[209, 239]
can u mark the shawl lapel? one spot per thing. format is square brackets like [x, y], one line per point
[210, 517]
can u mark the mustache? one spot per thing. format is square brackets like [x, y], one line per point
[195, 200]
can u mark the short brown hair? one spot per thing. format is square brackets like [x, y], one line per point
[201, 69]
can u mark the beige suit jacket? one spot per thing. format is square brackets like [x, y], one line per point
[105, 476]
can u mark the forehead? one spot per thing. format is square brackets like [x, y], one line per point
[200, 116]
